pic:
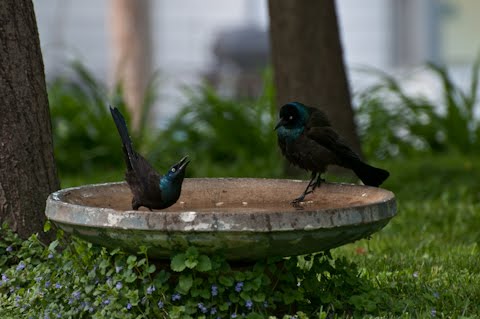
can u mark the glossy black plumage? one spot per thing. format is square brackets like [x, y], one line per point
[149, 188]
[308, 141]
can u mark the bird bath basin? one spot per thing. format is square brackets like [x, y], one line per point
[241, 218]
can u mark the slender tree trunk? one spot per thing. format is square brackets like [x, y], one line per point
[308, 62]
[27, 165]
[131, 51]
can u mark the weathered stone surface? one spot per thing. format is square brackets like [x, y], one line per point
[242, 218]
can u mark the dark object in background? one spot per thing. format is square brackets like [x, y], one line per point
[307, 140]
[149, 188]
[240, 56]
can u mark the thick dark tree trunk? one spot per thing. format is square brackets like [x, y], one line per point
[27, 167]
[308, 61]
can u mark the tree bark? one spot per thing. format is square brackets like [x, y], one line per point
[27, 165]
[308, 62]
[131, 52]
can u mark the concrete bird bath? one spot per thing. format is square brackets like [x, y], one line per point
[241, 218]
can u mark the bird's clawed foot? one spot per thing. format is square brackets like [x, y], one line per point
[296, 202]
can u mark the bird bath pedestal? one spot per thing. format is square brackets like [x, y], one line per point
[244, 219]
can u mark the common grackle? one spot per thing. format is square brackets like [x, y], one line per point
[149, 188]
[307, 140]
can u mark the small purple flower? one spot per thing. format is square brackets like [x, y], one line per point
[239, 286]
[47, 284]
[118, 269]
[160, 304]
[265, 304]
[119, 285]
[436, 295]
[70, 301]
[9, 248]
[106, 302]
[58, 285]
[4, 278]
[202, 307]
[76, 294]
[21, 266]
[150, 289]
[415, 274]
[433, 312]
[50, 256]
[234, 315]
[214, 290]
[176, 296]
[128, 306]
[249, 304]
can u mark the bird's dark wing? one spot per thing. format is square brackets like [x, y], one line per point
[144, 177]
[317, 118]
[329, 139]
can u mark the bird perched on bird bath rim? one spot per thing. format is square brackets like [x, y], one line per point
[308, 141]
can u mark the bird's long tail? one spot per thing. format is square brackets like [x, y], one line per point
[123, 132]
[371, 176]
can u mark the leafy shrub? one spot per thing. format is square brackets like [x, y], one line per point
[393, 123]
[84, 134]
[76, 279]
[224, 137]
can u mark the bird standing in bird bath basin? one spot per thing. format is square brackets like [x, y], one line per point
[149, 188]
[241, 218]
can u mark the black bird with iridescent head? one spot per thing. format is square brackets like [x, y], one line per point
[308, 141]
[149, 188]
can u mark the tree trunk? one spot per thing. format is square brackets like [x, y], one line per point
[131, 52]
[27, 165]
[308, 62]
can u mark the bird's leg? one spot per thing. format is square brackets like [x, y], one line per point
[307, 190]
[319, 181]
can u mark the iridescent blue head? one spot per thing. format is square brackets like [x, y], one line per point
[171, 182]
[293, 117]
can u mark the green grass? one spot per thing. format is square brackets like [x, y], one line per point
[427, 258]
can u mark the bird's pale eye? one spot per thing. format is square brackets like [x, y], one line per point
[173, 170]
[290, 117]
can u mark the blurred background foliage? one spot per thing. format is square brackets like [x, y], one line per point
[221, 136]
[226, 137]
[393, 123]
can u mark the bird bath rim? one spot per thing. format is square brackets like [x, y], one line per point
[213, 211]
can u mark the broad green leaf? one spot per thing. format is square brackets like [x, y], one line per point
[178, 263]
[204, 263]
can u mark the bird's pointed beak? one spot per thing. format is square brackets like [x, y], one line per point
[182, 164]
[280, 123]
